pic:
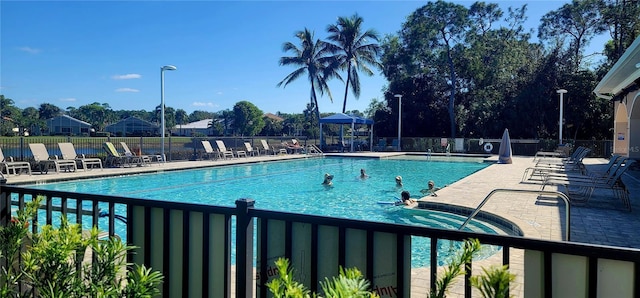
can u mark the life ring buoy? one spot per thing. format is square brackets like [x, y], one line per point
[488, 147]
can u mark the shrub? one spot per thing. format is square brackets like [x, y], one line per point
[495, 282]
[349, 283]
[52, 262]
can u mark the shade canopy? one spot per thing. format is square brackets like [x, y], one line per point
[352, 120]
[341, 118]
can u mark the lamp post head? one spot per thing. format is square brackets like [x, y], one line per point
[561, 91]
[398, 95]
[168, 67]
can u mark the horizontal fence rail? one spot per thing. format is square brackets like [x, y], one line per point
[190, 148]
[195, 246]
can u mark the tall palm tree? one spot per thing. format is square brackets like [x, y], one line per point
[355, 50]
[314, 59]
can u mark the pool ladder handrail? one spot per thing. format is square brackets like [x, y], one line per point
[538, 192]
[312, 147]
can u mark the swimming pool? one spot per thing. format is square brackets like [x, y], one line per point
[292, 186]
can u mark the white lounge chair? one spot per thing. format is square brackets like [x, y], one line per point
[115, 159]
[69, 152]
[266, 148]
[144, 160]
[249, 149]
[209, 151]
[223, 149]
[44, 161]
[13, 166]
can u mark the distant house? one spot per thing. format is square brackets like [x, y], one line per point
[133, 127]
[274, 117]
[194, 128]
[622, 85]
[69, 126]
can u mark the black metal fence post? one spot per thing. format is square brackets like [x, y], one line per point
[5, 204]
[244, 249]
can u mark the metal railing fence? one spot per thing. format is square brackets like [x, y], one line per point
[193, 246]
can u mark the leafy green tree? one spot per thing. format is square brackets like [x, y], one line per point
[623, 19]
[48, 111]
[31, 120]
[271, 127]
[355, 50]
[247, 118]
[201, 115]
[314, 59]
[181, 117]
[374, 106]
[215, 127]
[442, 26]
[227, 117]
[580, 21]
[10, 116]
[94, 113]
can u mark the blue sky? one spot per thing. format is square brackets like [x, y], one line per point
[72, 53]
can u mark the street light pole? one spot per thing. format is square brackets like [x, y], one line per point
[561, 92]
[399, 96]
[162, 69]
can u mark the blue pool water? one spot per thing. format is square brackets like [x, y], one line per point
[295, 186]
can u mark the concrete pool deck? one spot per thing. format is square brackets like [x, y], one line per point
[602, 221]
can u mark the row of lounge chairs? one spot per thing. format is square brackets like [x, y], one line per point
[571, 176]
[70, 161]
[221, 151]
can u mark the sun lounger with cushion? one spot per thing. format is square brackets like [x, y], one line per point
[115, 159]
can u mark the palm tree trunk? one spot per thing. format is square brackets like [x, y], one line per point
[315, 102]
[346, 88]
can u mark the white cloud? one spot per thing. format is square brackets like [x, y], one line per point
[127, 90]
[219, 93]
[29, 50]
[68, 99]
[126, 76]
[204, 104]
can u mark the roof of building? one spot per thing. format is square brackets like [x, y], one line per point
[202, 124]
[274, 117]
[624, 75]
[68, 119]
[133, 120]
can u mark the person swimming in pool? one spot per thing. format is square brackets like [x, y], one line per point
[399, 181]
[406, 198]
[431, 189]
[328, 180]
[363, 174]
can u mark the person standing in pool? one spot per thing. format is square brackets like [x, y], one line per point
[328, 180]
[363, 175]
[431, 189]
[399, 182]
